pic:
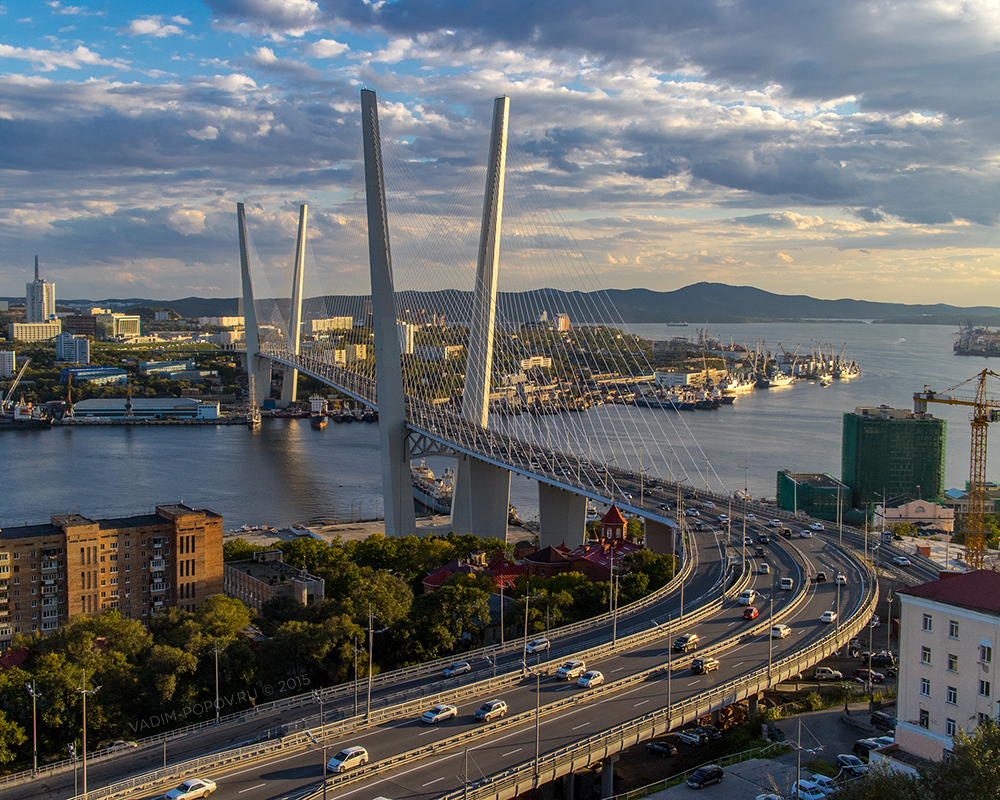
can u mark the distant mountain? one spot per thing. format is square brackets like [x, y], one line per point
[697, 303]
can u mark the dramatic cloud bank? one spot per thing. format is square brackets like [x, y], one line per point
[839, 149]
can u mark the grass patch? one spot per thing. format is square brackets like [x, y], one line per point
[822, 767]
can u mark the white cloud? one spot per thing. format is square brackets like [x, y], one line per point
[59, 8]
[154, 26]
[187, 221]
[48, 60]
[274, 18]
[326, 48]
[207, 133]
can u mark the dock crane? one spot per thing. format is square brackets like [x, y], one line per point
[9, 398]
[985, 409]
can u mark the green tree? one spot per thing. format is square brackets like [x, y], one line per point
[222, 618]
[974, 767]
[12, 736]
[237, 550]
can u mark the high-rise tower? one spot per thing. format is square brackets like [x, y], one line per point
[40, 298]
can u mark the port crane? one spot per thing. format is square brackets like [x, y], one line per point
[985, 409]
[9, 398]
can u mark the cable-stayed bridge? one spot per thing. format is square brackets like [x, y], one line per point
[496, 373]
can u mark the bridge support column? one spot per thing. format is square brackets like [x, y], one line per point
[397, 487]
[481, 498]
[717, 717]
[753, 702]
[289, 389]
[608, 777]
[568, 786]
[659, 537]
[562, 516]
[256, 367]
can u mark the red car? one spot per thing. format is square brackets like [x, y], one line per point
[750, 612]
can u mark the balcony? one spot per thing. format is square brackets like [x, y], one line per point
[158, 587]
[158, 565]
[50, 590]
[50, 564]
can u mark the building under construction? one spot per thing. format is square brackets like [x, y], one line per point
[889, 452]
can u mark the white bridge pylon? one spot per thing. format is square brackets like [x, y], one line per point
[408, 427]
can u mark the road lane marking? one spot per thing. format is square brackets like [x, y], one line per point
[693, 683]
[426, 732]
[636, 705]
[512, 752]
[436, 780]
[584, 725]
[617, 670]
[251, 788]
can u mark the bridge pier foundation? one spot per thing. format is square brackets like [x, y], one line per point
[753, 702]
[608, 778]
[562, 516]
[481, 500]
[568, 786]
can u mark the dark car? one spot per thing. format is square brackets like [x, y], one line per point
[820, 577]
[851, 765]
[664, 749]
[863, 747]
[706, 776]
[884, 659]
[883, 721]
[702, 665]
[760, 553]
[863, 676]
[710, 731]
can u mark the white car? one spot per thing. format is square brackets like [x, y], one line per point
[780, 631]
[708, 504]
[348, 758]
[816, 526]
[191, 788]
[841, 579]
[120, 744]
[537, 646]
[457, 669]
[590, 679]
[901, 561]
[439, 714]
[805, 533]
[764, 568]
[571, 669]
[828, 616]
[750, 518]
[723, 519]
[775, 523]
[747, 541]
[806, 790]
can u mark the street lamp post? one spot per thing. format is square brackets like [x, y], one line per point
[318, 697]
[216, 650]
[538, 707]
[322, 744]
[72, 754]
[34, 725]
[770, 636]
[84, 691]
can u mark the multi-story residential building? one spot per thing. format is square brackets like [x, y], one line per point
[266, 576]
[948, 632]
[136, 565]
[889, 452]
[222, 322]
[405, 332]
[40, 299]
[34, 331]
[8, 363]
[114, 326]
[72, 348]
[315, 326]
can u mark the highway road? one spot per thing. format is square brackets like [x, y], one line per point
[441, 773]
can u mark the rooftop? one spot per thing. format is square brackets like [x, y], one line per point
[978, 590]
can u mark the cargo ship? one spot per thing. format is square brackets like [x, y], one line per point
[432, 492]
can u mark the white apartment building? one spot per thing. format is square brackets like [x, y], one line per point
[315, 326]
[72, 348]
[34, 331]
[405, 331]
[222, 322]
[8, 363]
[40, 298]
[127, 326]
[948, 632]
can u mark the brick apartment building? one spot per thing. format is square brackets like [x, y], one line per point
[136, 565]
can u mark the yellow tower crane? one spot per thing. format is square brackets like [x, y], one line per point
[984, 411]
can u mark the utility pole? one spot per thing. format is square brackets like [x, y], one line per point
[216, 650]
[84, 691]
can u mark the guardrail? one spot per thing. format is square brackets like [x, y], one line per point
[343, 690]
[512, 782]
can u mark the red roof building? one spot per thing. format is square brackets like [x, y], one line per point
[613, 524]
[595, 560]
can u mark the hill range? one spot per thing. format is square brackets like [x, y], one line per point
[697, 303]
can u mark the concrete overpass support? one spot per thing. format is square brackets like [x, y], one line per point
[608, 778]
[753, 702]
[257, 368]
[660, 537]
[562, 516]
[289, 386]
[397, 488]
[487, 513]
[481, 500]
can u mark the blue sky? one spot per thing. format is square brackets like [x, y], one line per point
[841, 149]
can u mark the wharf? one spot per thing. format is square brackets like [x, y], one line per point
[106, 421]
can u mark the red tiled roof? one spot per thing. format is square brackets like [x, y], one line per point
[550, 555]
[613, 517]
[507, 575]
[437, 577]
[978, 590]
